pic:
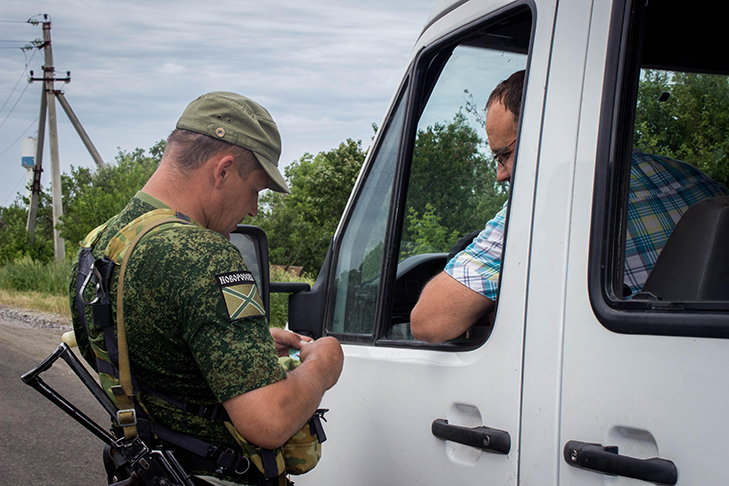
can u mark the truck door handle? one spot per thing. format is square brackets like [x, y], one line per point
[484, 438]
[606, 459]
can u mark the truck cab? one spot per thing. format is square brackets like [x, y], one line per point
[571, 381]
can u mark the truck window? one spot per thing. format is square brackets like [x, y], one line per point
[666, 272]
[359, 261]
[444, 182]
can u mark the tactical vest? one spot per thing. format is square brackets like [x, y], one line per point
[299, 455]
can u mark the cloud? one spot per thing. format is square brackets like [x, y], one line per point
[326, 70]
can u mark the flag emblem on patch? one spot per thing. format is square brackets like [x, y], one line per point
[240, 294]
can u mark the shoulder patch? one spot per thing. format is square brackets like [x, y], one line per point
[240, 294]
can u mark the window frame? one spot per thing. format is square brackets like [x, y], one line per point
[412, 93]
[607, 234]
[422, 85]
[402, 99]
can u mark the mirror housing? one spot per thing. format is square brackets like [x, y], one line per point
[306, 309]
[252, 243]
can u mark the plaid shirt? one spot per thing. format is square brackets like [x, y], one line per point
[661, 190]
[477, 267]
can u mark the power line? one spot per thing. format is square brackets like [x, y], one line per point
[21, 136]
[18, 82]
[16, 104]
[13, 191]
[31, 21]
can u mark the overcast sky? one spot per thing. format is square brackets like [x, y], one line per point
[326, 70]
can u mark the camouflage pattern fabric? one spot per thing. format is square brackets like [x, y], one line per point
[182, 340]
[302, 451]
[300, 454]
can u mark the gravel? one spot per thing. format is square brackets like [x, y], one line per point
[34, 319]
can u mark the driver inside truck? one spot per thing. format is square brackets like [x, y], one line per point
[465, 292]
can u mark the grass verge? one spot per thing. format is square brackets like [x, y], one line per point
[37, 301]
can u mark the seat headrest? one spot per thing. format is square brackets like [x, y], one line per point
[694, 263]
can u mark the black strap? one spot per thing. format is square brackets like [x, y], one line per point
[198, 455]
[315, 425]
[89, 270]
[85, 261]
[213, 413]
[194, 462]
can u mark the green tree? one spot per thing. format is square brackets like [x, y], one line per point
[300, 225]
[428, 235]
[15, 243]
[91, 199]
[691, 125]
[451, 181]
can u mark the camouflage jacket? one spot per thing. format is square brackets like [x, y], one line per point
[191, 335]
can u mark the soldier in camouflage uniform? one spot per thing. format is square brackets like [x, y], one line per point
[194, 321]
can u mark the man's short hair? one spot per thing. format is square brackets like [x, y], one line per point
[189, 151]
[508, 93]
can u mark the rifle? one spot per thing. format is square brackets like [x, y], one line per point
[128, 462]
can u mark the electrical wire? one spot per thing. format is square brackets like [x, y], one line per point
[21, 136]
[27, 63]
[16, 104]
[13, 191]
[29, 21]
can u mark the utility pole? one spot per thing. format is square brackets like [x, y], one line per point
[48, 105]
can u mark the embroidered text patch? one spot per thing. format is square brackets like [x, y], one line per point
[240, 294]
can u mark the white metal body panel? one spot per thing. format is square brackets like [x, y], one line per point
[550, 372]
[652, 396]
[382, 408]
[541, 449]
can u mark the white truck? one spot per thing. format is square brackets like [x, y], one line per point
[570, 383]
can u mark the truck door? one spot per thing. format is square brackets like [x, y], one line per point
[428, 180]
[642, 394]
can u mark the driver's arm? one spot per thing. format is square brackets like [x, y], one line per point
[446, 309]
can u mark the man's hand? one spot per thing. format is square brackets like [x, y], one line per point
[269, 415]
[286, 340]
[331, 358]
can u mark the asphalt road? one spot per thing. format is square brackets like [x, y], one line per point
[39, 444]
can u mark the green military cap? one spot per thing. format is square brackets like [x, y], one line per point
[241, 121]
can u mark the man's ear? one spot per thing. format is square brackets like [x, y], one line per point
[222, 167]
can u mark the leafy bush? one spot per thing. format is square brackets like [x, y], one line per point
[15, 242]
[27, 274]
[90, 199]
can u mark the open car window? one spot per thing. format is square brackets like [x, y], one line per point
[662, 206]
[430, 182]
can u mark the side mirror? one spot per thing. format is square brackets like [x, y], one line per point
[252, 243]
